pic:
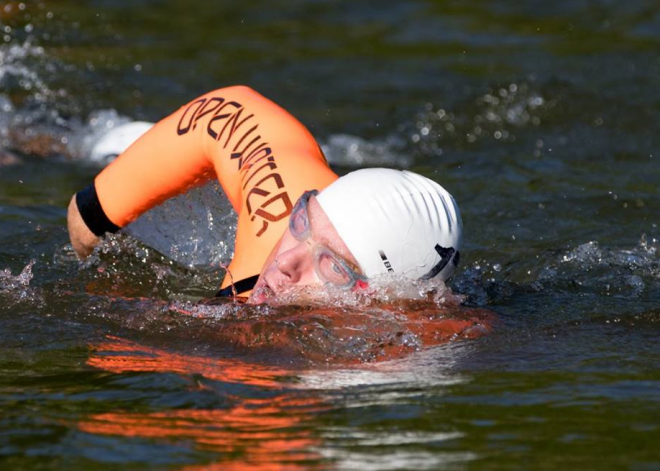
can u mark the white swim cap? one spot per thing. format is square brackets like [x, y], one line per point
[395, 221]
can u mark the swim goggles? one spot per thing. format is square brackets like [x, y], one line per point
[329, 267]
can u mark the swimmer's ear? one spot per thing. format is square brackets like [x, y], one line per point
[360, 284]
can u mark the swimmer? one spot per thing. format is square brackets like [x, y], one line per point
[299, 224]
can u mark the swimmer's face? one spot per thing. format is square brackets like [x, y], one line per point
[295, 260]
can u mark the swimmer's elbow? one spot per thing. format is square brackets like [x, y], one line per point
[82, 238]
[237, 91]
[240, 88]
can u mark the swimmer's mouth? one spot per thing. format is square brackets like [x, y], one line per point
[262, 293]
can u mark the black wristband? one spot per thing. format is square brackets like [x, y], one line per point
[92, 213]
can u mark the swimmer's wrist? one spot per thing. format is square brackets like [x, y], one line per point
[83, 240]
[92, 213]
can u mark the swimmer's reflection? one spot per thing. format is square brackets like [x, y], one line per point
[262, 425]
[255, 433]
[269, 427]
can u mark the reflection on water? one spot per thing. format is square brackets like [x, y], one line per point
[260, 433]
[118, 356]
[272, 417]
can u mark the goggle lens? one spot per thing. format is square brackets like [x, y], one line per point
[330, 267]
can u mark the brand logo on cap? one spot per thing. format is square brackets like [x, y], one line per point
[386, 262]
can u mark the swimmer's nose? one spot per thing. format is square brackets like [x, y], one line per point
[294, 263]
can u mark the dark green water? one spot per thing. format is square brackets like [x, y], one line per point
[540, 118]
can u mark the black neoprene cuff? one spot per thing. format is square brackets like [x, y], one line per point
[92, 213]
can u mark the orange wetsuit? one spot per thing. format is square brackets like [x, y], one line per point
[263, 157]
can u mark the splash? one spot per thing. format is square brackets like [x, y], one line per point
[8, 282]
[493, 116]
[16, 289]
[341, 328]
[32, 122]
[361, 329]
[386, 288]
[194, 229]
[16, 73]
[39, 118]
[588, 268]
[610, 271]
[124, 266]
[354, 152]
[642, 258]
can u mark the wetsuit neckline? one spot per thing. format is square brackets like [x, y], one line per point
[241, 286]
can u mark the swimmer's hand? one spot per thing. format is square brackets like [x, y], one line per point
[82, 239]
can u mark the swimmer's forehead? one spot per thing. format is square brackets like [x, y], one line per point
[324, 232]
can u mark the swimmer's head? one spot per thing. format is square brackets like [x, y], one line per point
[395, 221]
[367, 223]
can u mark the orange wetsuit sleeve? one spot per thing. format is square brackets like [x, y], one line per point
[157, 166]
[263, 157]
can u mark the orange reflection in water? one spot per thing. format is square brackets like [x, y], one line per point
[257, 433]
[121, 356]
[252, 434]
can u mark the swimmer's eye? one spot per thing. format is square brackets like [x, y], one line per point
[332, 270]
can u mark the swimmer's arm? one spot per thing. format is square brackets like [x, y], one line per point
[82, 239]
[159, 165]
